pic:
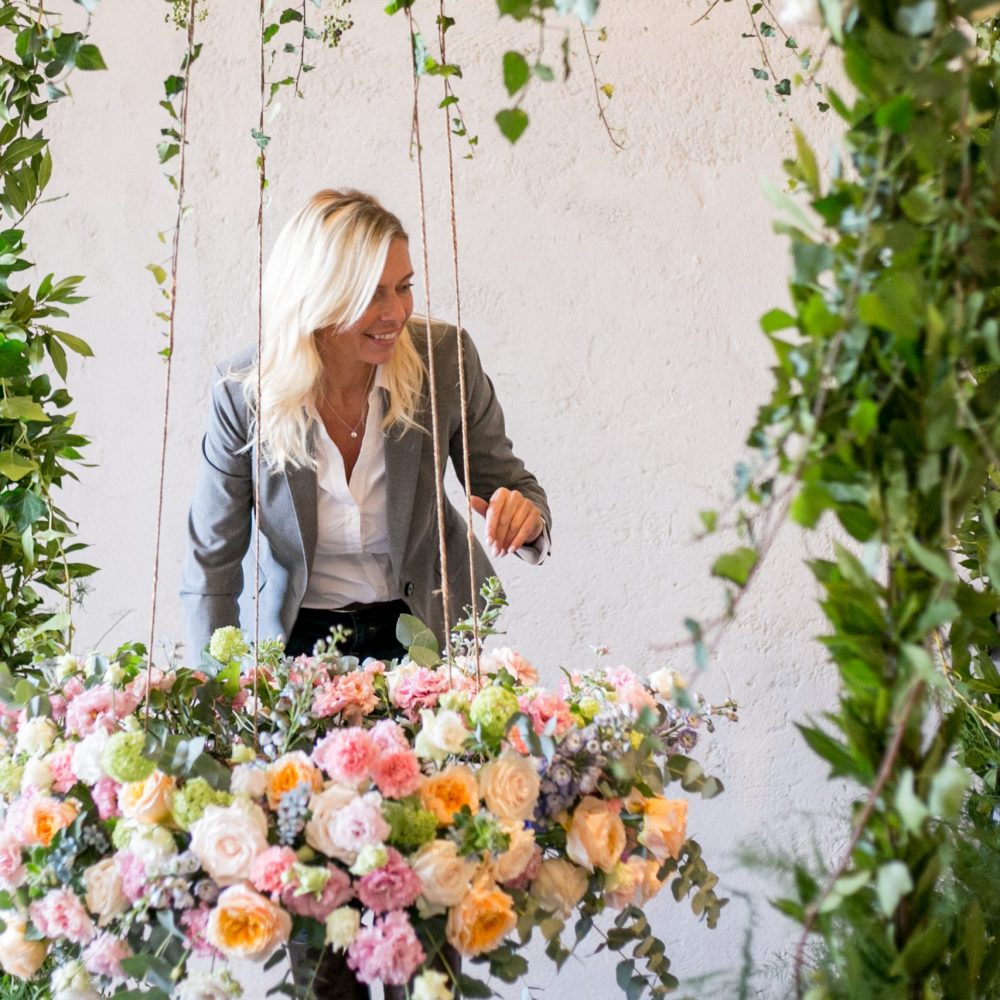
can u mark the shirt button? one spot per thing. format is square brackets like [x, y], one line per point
[408, 589]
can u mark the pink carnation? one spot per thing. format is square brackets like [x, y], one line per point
[394, 886]
[10, 719]
[388, 736]
[105, 796]
[388, 951]
[373, 666]
[12, 871]
[157, 680]
[351, 694]
[419, 688]
[545, 706]
[397, 774]
[360, 823]
[636, 695]
[61, 768]
[346, 755]
[133, 872]
[57, 704]
[73, 688]
[268, 868]
[60, 914]
[336, 892]
[194, 923]
[103, 956]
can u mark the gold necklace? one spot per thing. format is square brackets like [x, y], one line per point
[364, 408]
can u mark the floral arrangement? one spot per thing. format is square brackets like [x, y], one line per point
[382, 809]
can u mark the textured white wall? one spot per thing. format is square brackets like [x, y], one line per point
[614, 298]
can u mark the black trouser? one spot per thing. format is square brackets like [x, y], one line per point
[373, 633]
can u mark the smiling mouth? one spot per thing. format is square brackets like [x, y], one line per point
[382, 338]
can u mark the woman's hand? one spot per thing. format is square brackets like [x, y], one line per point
[512, 520]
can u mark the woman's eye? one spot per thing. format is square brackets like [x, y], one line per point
[406, 288]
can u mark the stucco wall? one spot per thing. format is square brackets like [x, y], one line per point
[613, 296]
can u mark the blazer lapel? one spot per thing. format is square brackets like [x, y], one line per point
[302, 487]
[402, 463]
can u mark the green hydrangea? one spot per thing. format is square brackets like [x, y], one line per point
[228, 644]
[491, 709]
[190, 801]
[122, 758]
[11, 774]
[410, 826]
[122, 834]
[454, 701]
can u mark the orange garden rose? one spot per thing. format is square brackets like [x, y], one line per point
[596, 835]
[245, 924]
[483, 918]
[289, 771]
[147, 801]
[44, 818]
[445, 793]
[664, 826]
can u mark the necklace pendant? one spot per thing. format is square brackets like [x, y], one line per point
[354, 434]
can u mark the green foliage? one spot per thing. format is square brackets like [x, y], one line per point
[38, 442]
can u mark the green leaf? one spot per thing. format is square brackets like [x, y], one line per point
[76, 344]
[290, 14]
[409, 627]
[892, 883]
[709, 519]
[516, 72]
[948, 788]
[269, 32]
[933, 562]
[809, 170]
[259, 137]
[512, 122]
[15, 466]
[777, 319]
[911, 809]
[89, 57]
[896, 114]
[736, 565]
[22, 408]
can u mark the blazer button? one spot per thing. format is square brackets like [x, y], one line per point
[408, 589]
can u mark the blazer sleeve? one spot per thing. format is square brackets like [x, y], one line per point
[492, 462]
[219, 521]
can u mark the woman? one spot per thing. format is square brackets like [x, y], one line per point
[348, 517]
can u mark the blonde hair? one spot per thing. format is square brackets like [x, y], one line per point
[322, 273]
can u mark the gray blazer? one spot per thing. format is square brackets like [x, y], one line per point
[220, 524]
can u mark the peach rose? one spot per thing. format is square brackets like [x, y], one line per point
[147, 801]
[104, 897]
[483, 918]
[559, 886]
[596, 835]
[227, 839]
[508, 866]
[288, 772]
[509, 787]
[43, 818]
[446, 875]
[19, 957]
[245, 924]
[445, 793]
[664, 827]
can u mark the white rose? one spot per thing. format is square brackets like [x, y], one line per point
[559, 886]
[666, 682]
[440, 734]
[66, 666]
[249, 780]
[153, 845]
[206, 986]
[104, 895]
[445, 874]
[227, 839]
[19, 957]
[36, 774]
[509, 787]
[36, 736]
[342, 927]
[431, 985]
[86, 762]
[72, 982]
[509, 865]
[321, 826]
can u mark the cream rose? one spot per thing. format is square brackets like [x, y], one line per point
[249, 780]
[322, 825]
[508, 866]
[227, 839]
[596, 835]
[445, 874]
[664, 826]
[509, 787]
[559, 886]
[147, 801]
[19, 957]
[104, 896]
[37, 774]
[440, 734]
[245, 924]
[36, 736]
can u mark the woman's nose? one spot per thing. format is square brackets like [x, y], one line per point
[394, 309]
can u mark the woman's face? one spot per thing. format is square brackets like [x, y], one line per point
[373, 337]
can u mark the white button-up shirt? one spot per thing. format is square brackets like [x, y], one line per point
[351, 562]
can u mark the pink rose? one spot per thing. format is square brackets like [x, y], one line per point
[357, 825]
[60, 914]
[268, 868]
[388, 951]
[394, 886]
[389, 736]
[397, 774]
[12, 871]
[346, 755]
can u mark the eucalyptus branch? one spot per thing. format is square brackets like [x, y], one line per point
[860, 823]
